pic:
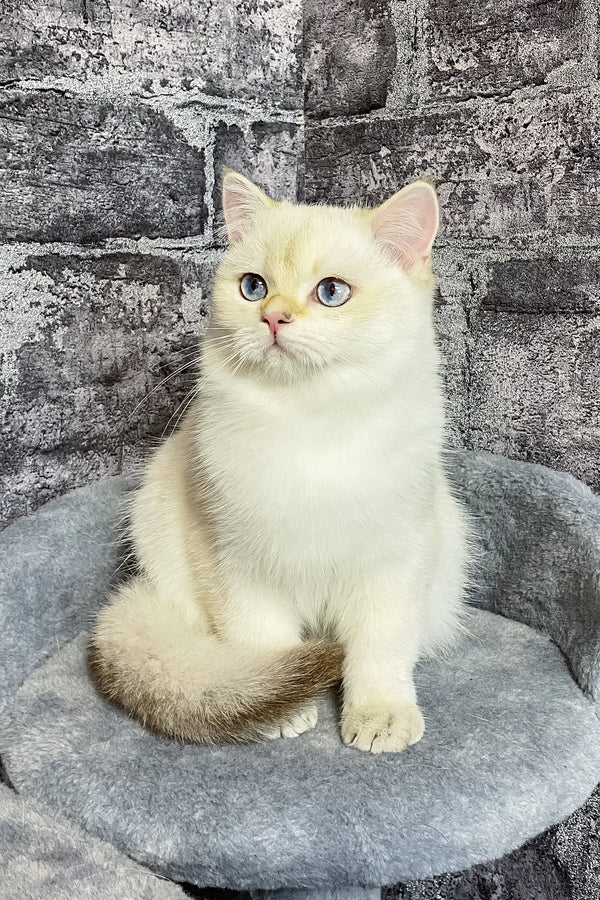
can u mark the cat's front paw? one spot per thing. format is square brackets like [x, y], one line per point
[382, 729]
[294, 725]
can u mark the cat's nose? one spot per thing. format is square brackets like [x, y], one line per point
[276, 319]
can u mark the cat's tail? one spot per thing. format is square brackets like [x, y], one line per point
[181, 682]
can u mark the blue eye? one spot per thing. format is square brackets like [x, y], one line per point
[253, 287]
[333, 292]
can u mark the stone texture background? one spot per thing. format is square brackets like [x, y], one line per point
[499, 103]
[115, 119]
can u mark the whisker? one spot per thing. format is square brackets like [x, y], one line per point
[187, 350]
[192, 395]
[182, 368]
[188, 394]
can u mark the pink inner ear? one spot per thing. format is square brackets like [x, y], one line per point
[234, 209]
[407, 223]
[241, 203]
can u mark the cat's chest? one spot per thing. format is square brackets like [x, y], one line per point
[318, 480]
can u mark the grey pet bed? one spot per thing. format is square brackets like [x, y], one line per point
[43, 856]
[512, 742]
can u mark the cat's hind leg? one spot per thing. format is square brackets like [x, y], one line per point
[162, 667]
[257, 614]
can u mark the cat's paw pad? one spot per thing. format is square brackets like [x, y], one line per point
[382, 729]
[294, 725]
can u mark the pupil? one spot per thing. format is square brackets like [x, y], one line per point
[331, 288]
[254, 284]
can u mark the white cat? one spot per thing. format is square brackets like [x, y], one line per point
[299, 526]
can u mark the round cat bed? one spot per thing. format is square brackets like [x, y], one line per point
[45, 857]
[512, 743]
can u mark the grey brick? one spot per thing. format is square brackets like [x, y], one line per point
[80, 169]
[349, 56]
[504, 169]
[452, 317]
[270, 153]
[521, 369]
[493, 47]
[547, 284]
[231, 49]
[84, 341]
[534, 366]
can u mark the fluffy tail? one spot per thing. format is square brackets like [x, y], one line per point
[180, 682]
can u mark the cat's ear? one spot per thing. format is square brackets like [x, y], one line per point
[406, 224]
[242, 202]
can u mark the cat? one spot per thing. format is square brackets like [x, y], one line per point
[299, 527]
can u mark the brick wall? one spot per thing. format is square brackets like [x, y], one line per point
[499, 103]
[115, 119]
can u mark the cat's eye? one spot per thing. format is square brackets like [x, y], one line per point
[333, 292]
[253, 287]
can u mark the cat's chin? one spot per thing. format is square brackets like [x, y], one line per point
[278, 359]
[277, 349]
[284, 362]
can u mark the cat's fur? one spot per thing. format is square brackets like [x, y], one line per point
[299, 526]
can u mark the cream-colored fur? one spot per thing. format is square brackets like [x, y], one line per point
[304, 494]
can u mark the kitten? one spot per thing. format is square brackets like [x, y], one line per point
[299, 526]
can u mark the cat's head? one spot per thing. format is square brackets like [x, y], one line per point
[302, 288]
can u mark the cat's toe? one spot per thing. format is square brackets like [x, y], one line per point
[271, 732]
[301, 722]
[382, 729]
[294, 725]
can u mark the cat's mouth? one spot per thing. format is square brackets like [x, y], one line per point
[277, 347]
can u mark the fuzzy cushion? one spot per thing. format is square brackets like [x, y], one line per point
[43, 856]
[512, 744]
[56, 567]
[540, 552]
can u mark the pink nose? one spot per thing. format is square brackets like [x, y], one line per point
[275, 320]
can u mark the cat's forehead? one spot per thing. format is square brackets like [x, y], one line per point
[299, 242]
